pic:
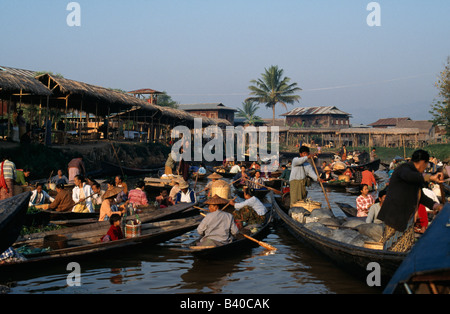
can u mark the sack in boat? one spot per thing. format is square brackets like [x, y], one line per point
[373, 231]
[321, 213]
[344, 235]
[80, 208]
[298, 214]
[360, 240]
[318, 228]
[353, 222]
[329, 222]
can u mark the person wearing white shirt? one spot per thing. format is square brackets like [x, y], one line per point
[235, 169]
[82, 193]
[249, 212]
[39, 196]
[299, 171]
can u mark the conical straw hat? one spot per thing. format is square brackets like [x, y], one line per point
[215, 175]
[216, 200]
[112, 192]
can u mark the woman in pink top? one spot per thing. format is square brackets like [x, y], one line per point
[364, 201]
[137, 197]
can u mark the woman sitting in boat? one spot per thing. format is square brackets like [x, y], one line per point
[265, 174]
[369, 179]
[327, 175]
[39, 196]
[218, 227]
[235, 168]
[115, 232]
[256, 182]
[364, 201]
[249, 212]
[109, 206]
[63, 201]
[375, 209]
[82, 196]
[240, 178]
[137, 196]
[186, 195]
[213, 177]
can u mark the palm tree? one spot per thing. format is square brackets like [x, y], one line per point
[248, 112]
[272, 88]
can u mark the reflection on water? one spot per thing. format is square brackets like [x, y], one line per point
[292, 269]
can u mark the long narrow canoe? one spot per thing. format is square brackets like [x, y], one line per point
[12, 216]
[238, 245]
[79, 242]
[149, 215]
[354, 259]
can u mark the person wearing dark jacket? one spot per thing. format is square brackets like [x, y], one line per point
[402, 200]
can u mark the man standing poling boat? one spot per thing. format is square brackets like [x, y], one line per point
[402, 200]
[300, 172]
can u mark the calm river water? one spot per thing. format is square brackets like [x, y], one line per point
[292, 269]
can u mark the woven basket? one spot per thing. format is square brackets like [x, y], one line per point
[308, 205]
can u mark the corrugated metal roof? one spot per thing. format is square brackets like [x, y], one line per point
[304, 111]
[207, 106]
[388, 121]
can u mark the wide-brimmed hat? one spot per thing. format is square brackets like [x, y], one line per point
[327, 168]
[216, 200]
[215, 175]
[184, 185]
[112, 192]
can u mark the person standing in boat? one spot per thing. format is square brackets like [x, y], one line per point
[7, 178]
[76, 167]
[299, 171]
[402, 199]
[218, 227]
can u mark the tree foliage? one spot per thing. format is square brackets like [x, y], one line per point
[272, 88]
[248, 112]
[440, 109]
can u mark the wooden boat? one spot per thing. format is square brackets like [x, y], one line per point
[224, 172]
[239, 244]
[81, 242]
[110, 169]
[12, 216]
[373, 165]
[426, 269]
[259, 193]
[274, 184]
[348, 210]
[352, 258]
[149, 214]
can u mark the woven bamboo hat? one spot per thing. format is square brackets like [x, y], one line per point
[216, 200]
[112, 192]
[183, 184]
[215, 175]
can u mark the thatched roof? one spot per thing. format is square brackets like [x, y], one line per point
[95, 99]
[14, 83]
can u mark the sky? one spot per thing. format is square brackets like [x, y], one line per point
[208, 51]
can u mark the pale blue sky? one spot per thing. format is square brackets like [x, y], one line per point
[208, 50]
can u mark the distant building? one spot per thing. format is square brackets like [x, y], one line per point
[211, 110]
[317, 117]
[388, 122]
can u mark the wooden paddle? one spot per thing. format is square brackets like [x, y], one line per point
[263, 244]
[321, 185]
